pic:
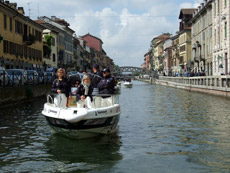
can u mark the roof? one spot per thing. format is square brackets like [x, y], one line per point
[162, 37]
[185, 11]
[92, 36]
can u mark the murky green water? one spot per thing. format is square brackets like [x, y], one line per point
[161, 130]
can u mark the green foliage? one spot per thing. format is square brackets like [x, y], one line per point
[48, 40]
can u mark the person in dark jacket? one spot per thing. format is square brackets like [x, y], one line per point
[107, 83]
[60, 85]
[61, 88]
[97, 76]
[85, 89]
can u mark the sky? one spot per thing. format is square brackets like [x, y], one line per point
[126, 27]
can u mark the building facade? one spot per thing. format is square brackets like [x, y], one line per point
[202, 39]
[168, 57]
[221, 39]
[185, 39]
[158, 52]
[22, 45]
[175, 55]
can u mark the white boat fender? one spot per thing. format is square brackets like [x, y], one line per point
[76, 115]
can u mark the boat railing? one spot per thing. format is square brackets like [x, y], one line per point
[105, 100]
[99, 101]
[49, 97]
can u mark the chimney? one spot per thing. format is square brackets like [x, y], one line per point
[53, 18]
[21, 10]
[13, 5]
[202, 5]
[7, 2]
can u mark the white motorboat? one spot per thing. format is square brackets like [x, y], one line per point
[101, 116]
[128, 84]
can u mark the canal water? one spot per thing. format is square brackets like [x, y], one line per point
[161, 129]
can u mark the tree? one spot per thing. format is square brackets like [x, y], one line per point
[47, 45]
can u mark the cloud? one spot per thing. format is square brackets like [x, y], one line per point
[125, 26]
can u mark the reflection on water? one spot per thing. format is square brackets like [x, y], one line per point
[161, 129]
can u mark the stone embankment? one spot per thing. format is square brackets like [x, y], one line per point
[219, 85]
[14, 95]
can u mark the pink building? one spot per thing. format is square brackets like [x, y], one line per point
[147, 60]
[93, 42]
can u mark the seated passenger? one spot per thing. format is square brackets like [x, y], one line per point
[107, 83]
[74, 87]
[85, 91]
[61, 88]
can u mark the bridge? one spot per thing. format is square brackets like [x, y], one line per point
[129, 69]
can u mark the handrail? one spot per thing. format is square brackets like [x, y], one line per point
[48, 99]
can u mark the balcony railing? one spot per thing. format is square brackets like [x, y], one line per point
[28, 40]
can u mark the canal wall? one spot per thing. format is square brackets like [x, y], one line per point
[219, 85]
[23, 93]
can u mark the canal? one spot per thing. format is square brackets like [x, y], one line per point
[161, 129]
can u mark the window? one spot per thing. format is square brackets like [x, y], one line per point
[54, 57]
[11, 24]
[53, 41]
[5, 21]
[215, 8]
[18, 27]
[225, 29]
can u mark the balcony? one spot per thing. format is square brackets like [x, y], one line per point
[28, 40]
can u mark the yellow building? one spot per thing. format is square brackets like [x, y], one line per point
[22, 45]
[185, 40]
[185, 50]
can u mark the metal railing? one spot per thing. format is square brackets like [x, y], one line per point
[15, 79]
[221, 83]
[97, 102]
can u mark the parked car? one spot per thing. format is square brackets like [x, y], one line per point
[4, 77]
[17, 76]
[32, 77]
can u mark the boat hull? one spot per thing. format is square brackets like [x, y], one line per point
[82, 123]
[85, 128]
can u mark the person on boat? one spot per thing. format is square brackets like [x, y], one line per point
[74, 87]
[85, 89]
[97, 75]
[61, 88]
[107, 83]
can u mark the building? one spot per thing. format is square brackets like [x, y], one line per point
[221, 37]
[158, 52]
[168, 57]
[22, 45]
[147, 60]
[58, 46]
[175, 55]
[65, 53]
[93, 42]
[202, 38]
[185, 39]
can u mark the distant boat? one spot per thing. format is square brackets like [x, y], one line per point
[128, 84]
